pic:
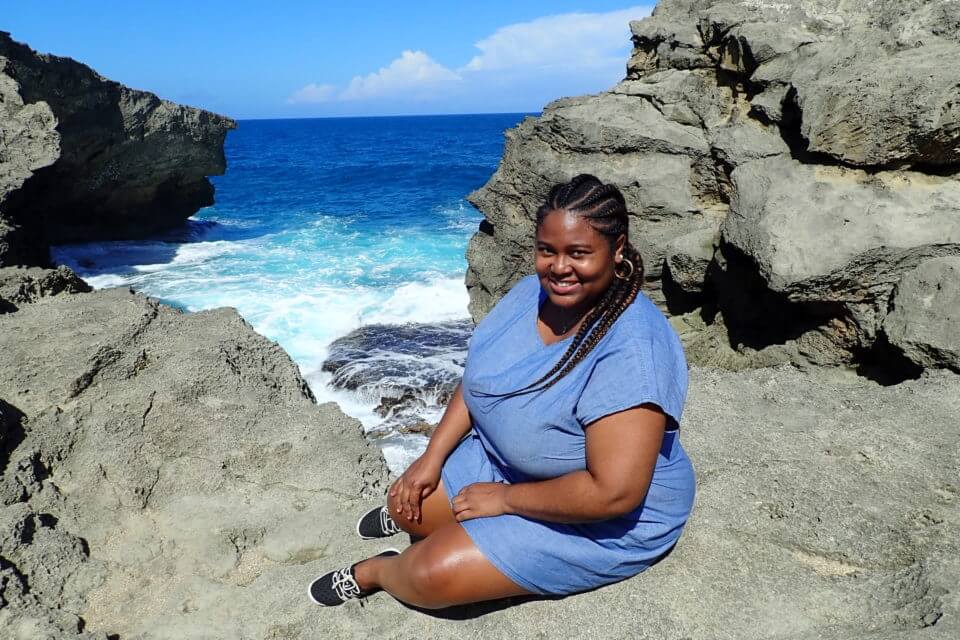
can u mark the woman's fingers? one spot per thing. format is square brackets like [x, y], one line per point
[417, 504]
[402, 498]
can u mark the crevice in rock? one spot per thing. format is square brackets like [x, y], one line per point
[7, 565]
[12, 432]
[679, 302]
[885, 364]
[755, 316]
[790, 126]
[104, 357]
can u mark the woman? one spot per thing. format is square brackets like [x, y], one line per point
[557, 466]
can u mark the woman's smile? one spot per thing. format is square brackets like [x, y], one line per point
[563, 287]
[574, 262]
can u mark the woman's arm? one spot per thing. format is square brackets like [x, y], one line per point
[423, 476]
[454, 424]
[622, 451]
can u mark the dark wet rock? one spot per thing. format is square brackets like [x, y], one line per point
[389, 361]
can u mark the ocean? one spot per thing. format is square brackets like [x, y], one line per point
[324, 226]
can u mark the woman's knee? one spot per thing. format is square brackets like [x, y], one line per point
[430, 580]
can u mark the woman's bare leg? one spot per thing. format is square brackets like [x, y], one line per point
[444, 570]
[435, 512]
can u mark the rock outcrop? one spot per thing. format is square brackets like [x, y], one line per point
[787, 164]
[86, 158]
[168, 475]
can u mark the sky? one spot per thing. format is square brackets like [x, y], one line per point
[294, 59]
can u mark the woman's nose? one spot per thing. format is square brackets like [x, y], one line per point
[559, 265]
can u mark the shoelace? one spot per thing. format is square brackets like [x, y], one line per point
[387, 524]
[344, 585]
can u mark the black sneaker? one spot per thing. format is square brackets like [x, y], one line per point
[377, 523]
[336, 587]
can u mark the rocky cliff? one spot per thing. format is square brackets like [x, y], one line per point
[86, 158]
[792, 170]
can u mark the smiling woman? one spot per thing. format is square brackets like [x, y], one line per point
[546, 475]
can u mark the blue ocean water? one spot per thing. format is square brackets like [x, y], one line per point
[321, 226]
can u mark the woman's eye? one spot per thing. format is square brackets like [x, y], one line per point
[578, 254]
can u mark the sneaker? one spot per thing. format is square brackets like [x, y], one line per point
[377, 523]
[336, 587]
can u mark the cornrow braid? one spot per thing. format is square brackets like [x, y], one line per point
[605, 209]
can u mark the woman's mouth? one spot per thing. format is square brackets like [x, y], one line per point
[563, 287]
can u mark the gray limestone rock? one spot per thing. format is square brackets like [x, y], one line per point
[864, 101]
[184, 449]
[924, 322]
[23, 285]
[835, 234]
[689, 257]
[82, 157]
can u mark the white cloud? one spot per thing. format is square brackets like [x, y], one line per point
[411, 73]
[570, 40]
[527, 62]
[312, 94]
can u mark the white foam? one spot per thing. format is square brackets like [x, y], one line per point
[437, 300]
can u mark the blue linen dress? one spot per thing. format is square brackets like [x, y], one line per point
[542, 435]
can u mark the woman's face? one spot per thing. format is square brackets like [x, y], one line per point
[574, 262]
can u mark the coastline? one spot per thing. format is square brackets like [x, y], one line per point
[171, 475]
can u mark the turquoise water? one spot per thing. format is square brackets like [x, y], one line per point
[321, 226]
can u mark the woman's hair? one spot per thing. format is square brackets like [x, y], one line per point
[604, 209]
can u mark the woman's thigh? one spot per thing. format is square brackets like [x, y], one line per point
[448, 569]
[435, 512]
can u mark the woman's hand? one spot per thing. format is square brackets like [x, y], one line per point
[480, 500]
[417, 482]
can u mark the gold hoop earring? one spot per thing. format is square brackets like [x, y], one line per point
[617, 273]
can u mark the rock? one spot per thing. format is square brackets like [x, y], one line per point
[23, 285]
[867, 103]
[688, 258]
[739, 142]
[85, 158]
[183, 449]
[391, 361]
[835, 234]
[925, 317]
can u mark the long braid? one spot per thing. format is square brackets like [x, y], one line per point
[603, 206]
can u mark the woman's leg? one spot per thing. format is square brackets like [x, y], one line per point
[435, 512]
[444, 570]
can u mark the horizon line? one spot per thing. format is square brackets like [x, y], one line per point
[387, 115]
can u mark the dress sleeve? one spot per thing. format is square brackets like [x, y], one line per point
[639, 371]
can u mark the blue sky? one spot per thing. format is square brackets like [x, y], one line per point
[304, 59]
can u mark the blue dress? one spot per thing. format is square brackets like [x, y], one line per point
[541, 435]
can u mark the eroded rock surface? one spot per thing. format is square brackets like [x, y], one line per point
[86, 158]
[822, 138]
[168, 475]
[152, 454]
